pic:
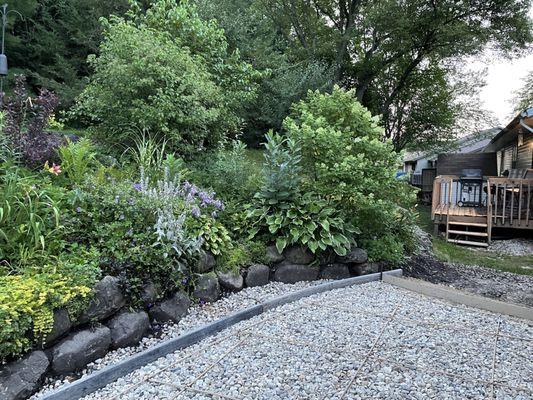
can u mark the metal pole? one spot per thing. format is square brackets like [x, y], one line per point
[4, 23]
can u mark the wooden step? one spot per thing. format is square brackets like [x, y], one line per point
[466, 233]
[468, 242]
[481, 225]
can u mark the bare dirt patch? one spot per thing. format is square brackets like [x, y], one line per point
[504, 286]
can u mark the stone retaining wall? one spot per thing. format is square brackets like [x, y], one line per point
[108, 323]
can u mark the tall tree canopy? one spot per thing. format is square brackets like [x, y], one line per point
[52, 40]
[524, 96]
[399, 56]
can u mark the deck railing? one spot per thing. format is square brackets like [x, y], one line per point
[508, 202]
[511, 202]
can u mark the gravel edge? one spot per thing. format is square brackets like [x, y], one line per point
[103, 377]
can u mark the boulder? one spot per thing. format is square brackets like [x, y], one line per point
[298, 255]
[80, 348]
[207, 288]
[61, 326]
[128, 328]
[273, 256]
[355, 256]
[257, 275]
[20, 379]
[108, 299]
[206, 262]
[230, 280]
[149, 293]
[335, 271]
[172, 309]
[292, 273]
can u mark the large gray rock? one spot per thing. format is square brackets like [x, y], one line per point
[61, 326]
[257, 275]
[172, 309]
[231, 280]
[78, 349]
[108, 299]
[128, 328]
[273, 256]
[292, 273]
[206, 262]
[20, 379]
[207, 288]
[355, 256]
[149, 293]
[335, 271]
[298, 255]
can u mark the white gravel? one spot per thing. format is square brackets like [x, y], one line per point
[512, 247]
[365, 342]
[198, 315]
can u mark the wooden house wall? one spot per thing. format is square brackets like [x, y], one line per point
[508, 158]
[453, 164]
[524, 157]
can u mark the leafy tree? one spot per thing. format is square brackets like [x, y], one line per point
[524, 96]
[51, 43]
[169, 73]
[390, 51]
[287, 76]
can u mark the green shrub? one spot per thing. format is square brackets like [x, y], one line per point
[168, 73]
[284, 214]
[77, 159]
[242, 254]
[230, 172]
[346, 162]
[28, 300]
[29, 215]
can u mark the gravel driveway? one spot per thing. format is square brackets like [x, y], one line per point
[364, 342]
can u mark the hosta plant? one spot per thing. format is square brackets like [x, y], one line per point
[307, 221]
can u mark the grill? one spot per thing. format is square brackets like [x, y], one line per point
[471, 181]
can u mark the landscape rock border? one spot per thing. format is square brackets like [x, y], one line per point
[103, 377]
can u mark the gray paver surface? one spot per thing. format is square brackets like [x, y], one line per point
[368, 341]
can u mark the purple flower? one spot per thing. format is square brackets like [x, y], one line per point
[78, 210]
[195, 211]
[184, 281]
[137, 186]
[121, 217]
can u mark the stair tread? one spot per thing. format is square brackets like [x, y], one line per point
[482, 225]
[466, 233]
[468, 242]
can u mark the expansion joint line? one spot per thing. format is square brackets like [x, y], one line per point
[367, 356]
[492, 389]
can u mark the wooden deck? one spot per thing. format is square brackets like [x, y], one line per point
[504, 203]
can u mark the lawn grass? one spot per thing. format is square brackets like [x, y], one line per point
[449, 252]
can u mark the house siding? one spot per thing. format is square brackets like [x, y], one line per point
[524, 157]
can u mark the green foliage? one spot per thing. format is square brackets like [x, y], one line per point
[242, 254]
[28, 300]
[51, 44]
[230, 172]
[77, 160]
[285, 214]
[215, 236]
[345, 163]
[29, 215]
[523, 98]
[169, 74]
[307, 221]
[281, 169]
